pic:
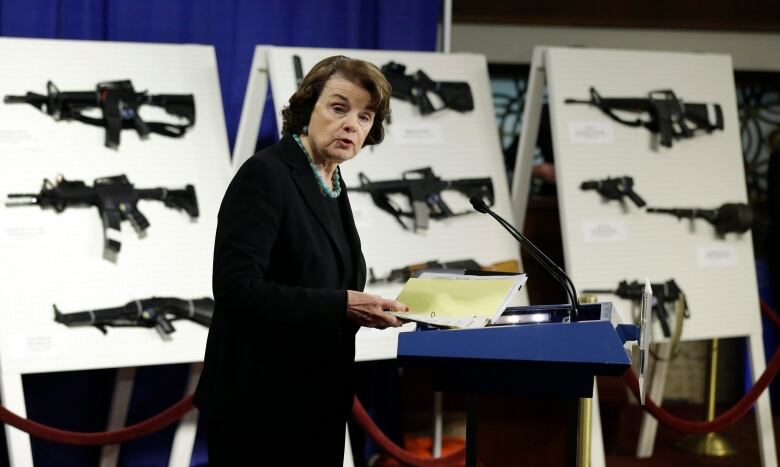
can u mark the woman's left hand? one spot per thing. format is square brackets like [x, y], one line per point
[371, 310]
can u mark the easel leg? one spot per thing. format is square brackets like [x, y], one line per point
[656, 392]
[117, 416]
[534, 98]
[348, 461]
[252, 110]
[766, 434]
[184, 439]
[19, 449]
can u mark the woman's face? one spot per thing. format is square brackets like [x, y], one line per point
[340, 121]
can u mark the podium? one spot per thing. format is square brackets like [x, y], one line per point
[516, 373]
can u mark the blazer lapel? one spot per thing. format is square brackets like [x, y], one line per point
[354, 239]
[309, 188]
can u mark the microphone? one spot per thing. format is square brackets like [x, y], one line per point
[549, 265]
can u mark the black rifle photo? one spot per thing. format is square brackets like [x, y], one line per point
[403, 274]
[669, 117]
[615, 188]
[423, 189]
[663, 293]
[414, 88]
[115, 197]
[119, 103]
[729, 217]
[156, 312]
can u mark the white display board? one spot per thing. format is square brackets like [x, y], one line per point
[455, 145]
[51, 258]
[605, 242]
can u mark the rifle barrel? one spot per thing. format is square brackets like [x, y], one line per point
[600, 291]
[578, 101]
[674, 211]
[21, 199]
[15, 99]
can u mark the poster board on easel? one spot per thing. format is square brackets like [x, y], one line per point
[605, 242]
[51, 258]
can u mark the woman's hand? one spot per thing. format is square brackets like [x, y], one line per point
[371, 310]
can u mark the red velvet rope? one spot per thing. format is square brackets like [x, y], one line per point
[176, 411]
[150, 425]
[726, 418]
[362, 418]
[770, 313]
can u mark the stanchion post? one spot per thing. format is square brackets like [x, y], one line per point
[710, 444]
[583, 432]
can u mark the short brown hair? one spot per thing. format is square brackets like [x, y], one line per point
[296, 115]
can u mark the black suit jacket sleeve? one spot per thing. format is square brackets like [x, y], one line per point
[252, 263]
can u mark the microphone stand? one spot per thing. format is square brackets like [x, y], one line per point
[549, 265]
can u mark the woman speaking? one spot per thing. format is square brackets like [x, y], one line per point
[277, 382]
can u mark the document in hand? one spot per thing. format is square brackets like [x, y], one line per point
[458, 300]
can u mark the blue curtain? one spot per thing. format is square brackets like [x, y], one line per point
[234, 27]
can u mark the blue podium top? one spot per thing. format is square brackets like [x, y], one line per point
[557, 359]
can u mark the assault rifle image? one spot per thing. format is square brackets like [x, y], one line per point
[669, 116]
[663, 293]
[423, 189]
[115, 197]
[403, 274]
[615, 188]
[119, 103]
[729, 217]
[156, 312]
[414, 88]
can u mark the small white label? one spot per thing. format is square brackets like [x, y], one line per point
[604, 231]
[23, 232]
[17, 138]
[34, 346]
[361, 211]
[717, 256]
[418, 133]
[590, 133]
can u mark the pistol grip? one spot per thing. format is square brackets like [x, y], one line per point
[665, 132]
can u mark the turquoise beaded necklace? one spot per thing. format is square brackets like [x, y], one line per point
[335, 179]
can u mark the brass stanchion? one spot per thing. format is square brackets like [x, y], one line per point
[583, 432]
[710, 444]
[585, 413]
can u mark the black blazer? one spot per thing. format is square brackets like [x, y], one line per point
[280, 346]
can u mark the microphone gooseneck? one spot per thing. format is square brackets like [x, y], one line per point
[549, 265]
